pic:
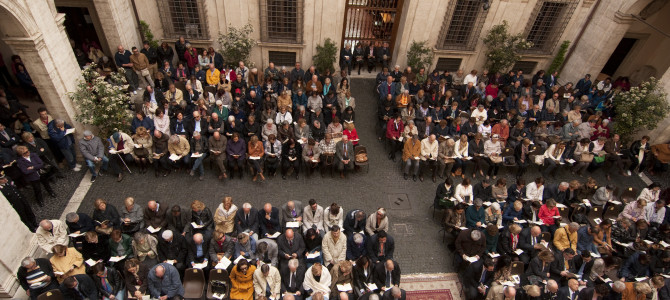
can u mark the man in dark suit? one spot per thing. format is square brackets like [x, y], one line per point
[516, 191]
[179, 220]
[354, 222]
[387, 87]
[36, 268]
[395, 293]
[292, 278]
[289, 246]
[197, 123]
[556, 192]
[477, 278]
[380, 247]
[550, 292]
[151, 95]
[483, 190]
[155, 214]
[534, 116]
[268, 220]
[190, 95]
[198, 251]
[562, 266]
[79, 286]
[20, 204]
[530, 242]
[7, 137]
[583, 263]
[387, 274]
[569, 291]
[426, 128]
[172, 247]
[246, 220]
[344, 152]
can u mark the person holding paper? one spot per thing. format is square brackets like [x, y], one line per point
[377, 222]
[164, 283]
[342, 280]
[566, 237]
[121, 146]
[586, 239]
[364, 277]
[292, 279]
[172, 248]
[32, 168]
[106, 216]
[475, 215]
[120, 245]
[217, 148]
[273, 151]
[51, 233]
[269, 220]
[291, 154]
[530, 241]
[411, 157]
[267, 282]
[221, 246]
[143, 146]
[291, 212]
[394, 128]
[135, 275]
[313, 217]
[95, 247]
[59, 134]
[199, 150]
[79, 223]
[241, 277]
[179, 148]
[380, 247]
[201, 219]
[236, 154]
[144, 247]
[160, 153]
[387, 274]
[198, 252]
[469, 243]
[131, 218]
[36, 276]
[155, 215]
[290, 246]
[246, 220]
[109, 282]
[67, 262]
[245, 246]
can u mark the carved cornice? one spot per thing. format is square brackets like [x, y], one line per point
[26, 44]
[623, 18]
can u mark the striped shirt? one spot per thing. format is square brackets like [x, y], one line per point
[36, 278]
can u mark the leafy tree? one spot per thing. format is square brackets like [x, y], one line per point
[325, 55]
[419, 56]
[559, 58]
[102, 101]
[503, 48]
[147, 34]
[236, 45]
[639, 109]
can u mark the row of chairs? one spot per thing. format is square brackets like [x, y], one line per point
[194, 286]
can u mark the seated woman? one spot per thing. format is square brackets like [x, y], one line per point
[224, 217]
[464, 191]
[335, 128]
[241, 278]
[513, 212]
[547, 214]
[538, 269]
[135, 275]
[67, 261]
[142, 151]
[285, 132]
[141, 120]
[291, 154]
[106, 215]
[144, 247]
[109, 282]
[245, 246]
[493, 215]
[340, 275]
[492, 234]
[132, 216]
[363, 276]
[348, 115]
[552, 159]
[313, 245]
[350, 132]
[310, 155]
[256, 151]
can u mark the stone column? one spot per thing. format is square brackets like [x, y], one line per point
[119, 24]
[19, 244]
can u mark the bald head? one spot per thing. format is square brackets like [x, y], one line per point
[46, 225]
[535, 231]
[289, 234]
[510, 292]
[160, 271]
[267, 208]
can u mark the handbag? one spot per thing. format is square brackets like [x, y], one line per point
[144, 72]
[361, 157]
[495, 159]
[141, 152]
[586, 157]
[219, 287]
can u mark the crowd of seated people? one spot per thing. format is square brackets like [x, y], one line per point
[290, 250]
[551, 241]
[484, 122]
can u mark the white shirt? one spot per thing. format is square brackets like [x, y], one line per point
[429, 149]
[470, 78]
[461, 192]
[533, 192]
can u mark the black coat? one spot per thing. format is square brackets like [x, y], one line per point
[268, 226]
[284, 249]
[109, 214]
[361, 280]
[115, 280]
[176, 250]
[86, 287]
[84, 224]
[373, 248]
[192, 252]
[350, 226]
[380, 274]
[299, 279]
[97, 251]
[251, 223]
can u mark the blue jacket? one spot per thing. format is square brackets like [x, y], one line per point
[510, 214]
[63, 141]
[584, 239]
[35, 162]
[169, 285]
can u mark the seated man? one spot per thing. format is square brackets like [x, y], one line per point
[562, 268]
[197, 251]
[164, 283]
[36, 276]
[354, 222]
[221, 246]
[51, 233]
[292, 279]
[387, 274]
[334, 246]
[290, 245]
[93, 151]
[356, 246]
[291, 212]
[344, 153]
[246, 220]
[267, 282]
[411, 157]
[381, 247]
[429, 151]
[217, 146]
[79, 286]
[155, 215]
[477, 278]
[267, 252]
[179, 149]
[172, 248]
[268, 220]
[313, 217]
[469, 243]
[200, 147]
[566, 237]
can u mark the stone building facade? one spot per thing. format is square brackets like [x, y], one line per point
[289, 30]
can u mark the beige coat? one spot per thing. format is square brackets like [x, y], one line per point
[65, 264]
[335, 251]
[181, 149]
[46, 240]
[329, 219]
[224, 220]
[309, 219]
[128, 144]
[370, 224]
[42, 128]
[261, 282]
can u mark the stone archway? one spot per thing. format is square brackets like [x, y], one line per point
[35, 32]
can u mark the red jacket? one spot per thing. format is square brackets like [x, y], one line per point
[191, 60]
[391, 131]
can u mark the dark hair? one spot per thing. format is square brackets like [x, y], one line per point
[133, 48]
[586, 254]
[643, 259]
[448, 181]
[381, 234]
[97, 268]
[176, 208]
[488, 262]
[41, 109]
[569, 251]
[312, 201]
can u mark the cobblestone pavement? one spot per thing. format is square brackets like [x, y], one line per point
[419, 247]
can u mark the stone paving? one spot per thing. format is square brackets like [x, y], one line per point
[419, 247]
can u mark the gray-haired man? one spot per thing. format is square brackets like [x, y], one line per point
[93, 150]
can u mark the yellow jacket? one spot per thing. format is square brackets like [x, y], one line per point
[411, 150]
[70, 264]
[213, 77]
[181, 149]
[563, 239]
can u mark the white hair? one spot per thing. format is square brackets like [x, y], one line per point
[167, 234]
[246, 205]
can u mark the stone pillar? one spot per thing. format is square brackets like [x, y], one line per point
[118, 23]
[19, 244]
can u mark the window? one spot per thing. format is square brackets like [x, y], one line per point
[279, 58]
[281, 21]
[547, 23]
[183, 17]
[448, 64]
[526, 66]
[462, 25]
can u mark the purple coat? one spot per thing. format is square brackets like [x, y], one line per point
[239, 148]
[35, 162]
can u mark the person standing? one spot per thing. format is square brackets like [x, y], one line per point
[122, 60]
[58, 132]
[152, 55]
[32, 168]
[141, 67]
[18, 201]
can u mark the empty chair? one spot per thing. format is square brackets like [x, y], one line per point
[595, 213]
[612, 211]
[564, 212]
[219, 283]
[517, 268]
[546, 236]
[194, 283]
[629, 195]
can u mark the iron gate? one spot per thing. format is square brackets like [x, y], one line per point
[371, 21]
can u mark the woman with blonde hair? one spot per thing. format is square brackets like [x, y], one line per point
[350, 132]
[142, 151]
[224, 217]
[67, 261]
[538, 270]
[202, 217]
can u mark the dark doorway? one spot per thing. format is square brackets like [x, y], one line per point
[79, 27]
[371, 21]
[618, 56]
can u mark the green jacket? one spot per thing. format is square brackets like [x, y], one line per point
[126, 244]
